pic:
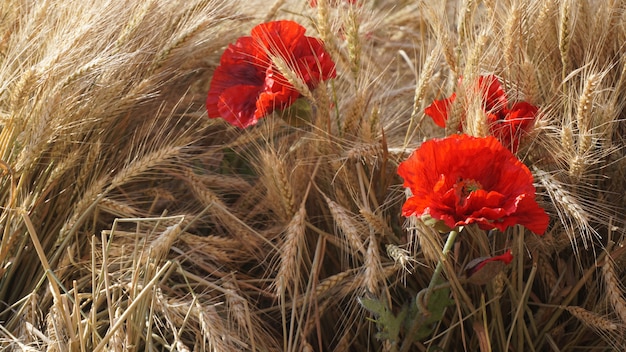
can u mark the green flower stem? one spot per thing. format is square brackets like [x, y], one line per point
[444, 254]
[423, 296]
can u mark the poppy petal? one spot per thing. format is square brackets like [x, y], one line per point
[439, 110]
[236, 105]
[493, 95]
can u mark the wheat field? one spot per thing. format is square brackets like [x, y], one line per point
[131, 221]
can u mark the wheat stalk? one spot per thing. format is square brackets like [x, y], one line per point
[80, 73]
[117, 208]
[23, 87]
[401, 257]
[549, 276]
[322, 112]
[156, 158]
[55, 331]
[323, 26]
[344, 342]
[89, 162]
[376, 222]
[368, 153]
[332, 282]
[191, 23]
[530, 86]
[220, 211]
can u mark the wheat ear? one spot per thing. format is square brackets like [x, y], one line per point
[425, 75]
[354, 43]
[327, 36]
[512, 39]
[161, 245]
[178, 42]
[614, 289]
[286, 68]
[278, 184]
[290, 252]
[212, 327]
[347, 225]
[583, 123]
[466, 11]
[354, 115]
[138, 15]
[373, 275]
[591, 319]
[239, 308]
[573, 216]
[565, 37]
[401, 257]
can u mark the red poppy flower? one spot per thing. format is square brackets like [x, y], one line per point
[462, 180]
[505, 124]
[516, 121]
[247, 86]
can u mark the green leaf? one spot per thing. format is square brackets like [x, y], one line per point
[389, 324]
[423, 322]
[436, 224]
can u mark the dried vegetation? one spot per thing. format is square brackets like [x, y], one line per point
[130, 221]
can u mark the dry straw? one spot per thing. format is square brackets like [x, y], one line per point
[102, 117]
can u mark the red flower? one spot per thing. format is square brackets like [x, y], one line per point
[462, 180]
[505, 124]
[247, 86]
[517, 120]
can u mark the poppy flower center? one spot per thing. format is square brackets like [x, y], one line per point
[464, 187]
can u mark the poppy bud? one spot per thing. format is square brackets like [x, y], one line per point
[482, 270]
